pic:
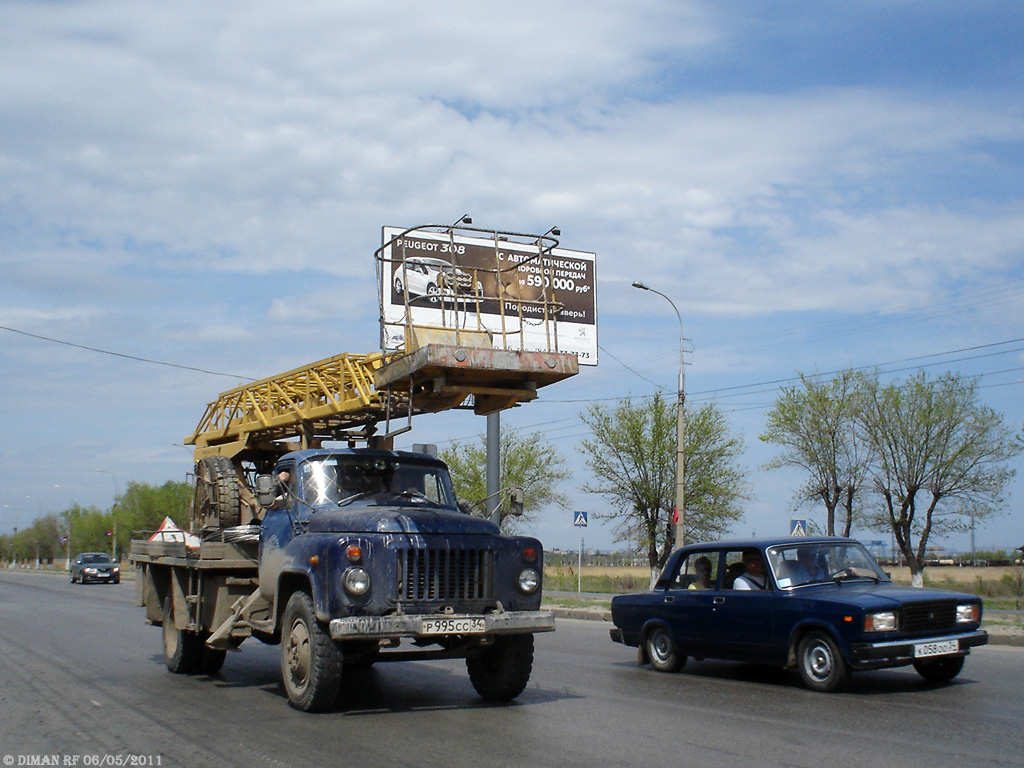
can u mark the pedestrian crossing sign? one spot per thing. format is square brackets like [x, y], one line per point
[579, 519]
[797, 527]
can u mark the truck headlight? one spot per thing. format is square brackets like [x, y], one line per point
[356, 581]
[529, 581]
[968, 613]
[880, 622]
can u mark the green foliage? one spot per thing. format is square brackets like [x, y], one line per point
[40, 541]
[632, 454]
[940, 456]
[89, 529]
[529, 463]
[931, 451]
[815, 424]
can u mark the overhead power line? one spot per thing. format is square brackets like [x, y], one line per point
[123, 355]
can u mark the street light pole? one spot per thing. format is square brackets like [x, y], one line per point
[113, 507]
[680, 537]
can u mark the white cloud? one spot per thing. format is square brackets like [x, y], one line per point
[206, 183]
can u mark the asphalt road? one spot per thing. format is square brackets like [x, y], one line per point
[82, 677]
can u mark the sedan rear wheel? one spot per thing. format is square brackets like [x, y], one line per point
[822, 666]
[662, 651]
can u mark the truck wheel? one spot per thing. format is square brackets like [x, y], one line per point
[211, 661]
[500, 672]
[182, 649]
[940, 670]
[310, 659]
[821, 663]
[662, 652]
[216, 499]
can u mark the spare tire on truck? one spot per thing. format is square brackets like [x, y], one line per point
[216, 503]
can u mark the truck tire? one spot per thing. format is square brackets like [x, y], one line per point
[211, 661]
[216, 503]
[500, 672]
[310, 659]
[183, 650]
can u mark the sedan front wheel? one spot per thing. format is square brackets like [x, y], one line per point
[822, 666]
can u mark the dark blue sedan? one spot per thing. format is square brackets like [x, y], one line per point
[821, 605]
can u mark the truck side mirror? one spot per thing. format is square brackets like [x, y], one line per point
[516, 500]
[266, 490]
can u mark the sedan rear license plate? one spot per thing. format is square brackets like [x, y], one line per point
[453, 626]
[936, 649]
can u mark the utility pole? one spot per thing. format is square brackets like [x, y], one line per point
[680, 516]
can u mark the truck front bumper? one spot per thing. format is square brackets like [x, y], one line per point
[441, 625]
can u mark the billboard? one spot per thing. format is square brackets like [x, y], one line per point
[526, 292]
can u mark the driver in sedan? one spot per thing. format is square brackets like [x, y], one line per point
[754, 576]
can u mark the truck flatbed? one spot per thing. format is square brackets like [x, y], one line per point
[219, 555]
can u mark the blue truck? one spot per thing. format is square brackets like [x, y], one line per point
[356, 556]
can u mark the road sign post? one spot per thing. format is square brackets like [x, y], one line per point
[579, 519]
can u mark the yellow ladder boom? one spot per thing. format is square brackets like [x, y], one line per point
[331, 395]
[336, 397]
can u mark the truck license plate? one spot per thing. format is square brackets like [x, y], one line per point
[453, 626]
[936, 649]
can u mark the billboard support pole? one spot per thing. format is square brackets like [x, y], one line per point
[494, 467]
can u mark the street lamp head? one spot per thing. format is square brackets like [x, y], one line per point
[641, 286]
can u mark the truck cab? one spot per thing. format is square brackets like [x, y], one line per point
[385, 527]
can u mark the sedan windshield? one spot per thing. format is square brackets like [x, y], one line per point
[344, 480]
[814, 563]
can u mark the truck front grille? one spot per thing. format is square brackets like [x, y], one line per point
[445, 574]
[928, 617]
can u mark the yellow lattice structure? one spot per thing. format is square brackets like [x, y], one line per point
[324, 399]
[346, 396]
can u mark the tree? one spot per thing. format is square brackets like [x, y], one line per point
[632, 454]
[143, 507]
[529, 463]
[940, 455]
[815, 423]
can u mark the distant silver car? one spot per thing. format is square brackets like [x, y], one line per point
[95, 566]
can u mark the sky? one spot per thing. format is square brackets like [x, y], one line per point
[191, 195]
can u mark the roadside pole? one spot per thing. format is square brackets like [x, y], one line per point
[579, 519]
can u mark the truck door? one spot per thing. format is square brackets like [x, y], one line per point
[277, 530]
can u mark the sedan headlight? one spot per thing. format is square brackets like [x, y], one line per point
[968, 613]
[356, 581]
[529, 581]
[880, 622]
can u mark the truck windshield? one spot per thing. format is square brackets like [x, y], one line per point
[342, 480]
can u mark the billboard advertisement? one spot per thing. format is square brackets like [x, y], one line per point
[527, 295]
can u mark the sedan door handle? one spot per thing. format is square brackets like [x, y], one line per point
[719, 601]
[669, 599]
